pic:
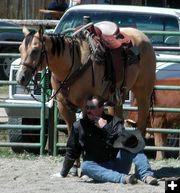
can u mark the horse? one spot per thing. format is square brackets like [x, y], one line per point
[75, 75]
[163, 98]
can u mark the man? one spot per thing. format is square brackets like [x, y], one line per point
[98, 137]
[56, 5]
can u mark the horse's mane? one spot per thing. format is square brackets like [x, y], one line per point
[58, 44]
[60, 41]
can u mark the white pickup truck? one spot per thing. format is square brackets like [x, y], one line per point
[143, 18]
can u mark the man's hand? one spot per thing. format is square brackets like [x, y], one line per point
[100, 122]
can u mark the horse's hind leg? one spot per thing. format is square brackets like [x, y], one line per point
[143, 101]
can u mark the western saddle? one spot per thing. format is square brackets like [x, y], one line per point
[113, 48]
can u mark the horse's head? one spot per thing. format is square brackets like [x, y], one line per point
[32, 52]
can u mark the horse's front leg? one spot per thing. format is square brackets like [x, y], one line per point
[68, 116]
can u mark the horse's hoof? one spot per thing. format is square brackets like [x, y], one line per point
[74, 171]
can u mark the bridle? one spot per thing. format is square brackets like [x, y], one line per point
[42, 55]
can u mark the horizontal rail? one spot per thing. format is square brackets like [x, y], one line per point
[60, 144]
[162, 148]
[24, 127]
[2, 55]
[163, 130]
[13, 82]
[166, 48]
[31, 22]
[155, 109]
[13, 105]
[10, 43]
[6, 82]
[164, 87]
[159, 59]
[174, 33]
[33, 145]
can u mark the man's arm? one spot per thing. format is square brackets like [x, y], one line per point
[73, 151]
[112, 128]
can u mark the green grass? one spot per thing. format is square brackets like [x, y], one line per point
[6, 152]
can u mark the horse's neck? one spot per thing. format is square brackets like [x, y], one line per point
[69, 59]
[60, 63]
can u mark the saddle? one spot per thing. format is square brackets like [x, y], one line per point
[119, 49]
[115, 49]
[111, 35]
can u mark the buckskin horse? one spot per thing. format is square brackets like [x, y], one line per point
[75, 74]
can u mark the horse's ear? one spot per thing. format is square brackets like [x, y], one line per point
[41, 30]
[25, 30]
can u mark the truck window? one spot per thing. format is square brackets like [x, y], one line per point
[142, 21]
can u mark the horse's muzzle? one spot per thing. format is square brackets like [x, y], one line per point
[23, 76]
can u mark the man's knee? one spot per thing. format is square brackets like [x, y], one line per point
[85, 166]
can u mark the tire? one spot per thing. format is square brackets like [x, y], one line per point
[15, 135]
[24, 136]
[5, 69]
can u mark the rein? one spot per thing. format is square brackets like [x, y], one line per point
[65, 84]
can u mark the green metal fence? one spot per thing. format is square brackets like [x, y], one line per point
[40, 127]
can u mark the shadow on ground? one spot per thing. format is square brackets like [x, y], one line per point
[167, 172]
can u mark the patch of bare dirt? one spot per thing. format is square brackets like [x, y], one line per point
[35, 176]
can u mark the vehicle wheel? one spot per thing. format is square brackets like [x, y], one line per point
[15, 135]
[25, 136]
[31, 136]
[5, 69]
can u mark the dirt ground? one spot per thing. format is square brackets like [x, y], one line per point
[35, 176]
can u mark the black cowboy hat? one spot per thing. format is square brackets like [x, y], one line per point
[130, 140]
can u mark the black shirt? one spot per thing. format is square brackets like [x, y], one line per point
[94, 143]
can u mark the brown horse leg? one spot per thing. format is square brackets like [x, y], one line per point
[68, 117]
[143, 102]
[159, 138]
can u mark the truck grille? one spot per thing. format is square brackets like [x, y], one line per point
[19, 92]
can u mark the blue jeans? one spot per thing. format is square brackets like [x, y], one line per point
[116, 170]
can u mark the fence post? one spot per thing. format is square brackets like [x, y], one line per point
[43, 113]
[55, 130]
